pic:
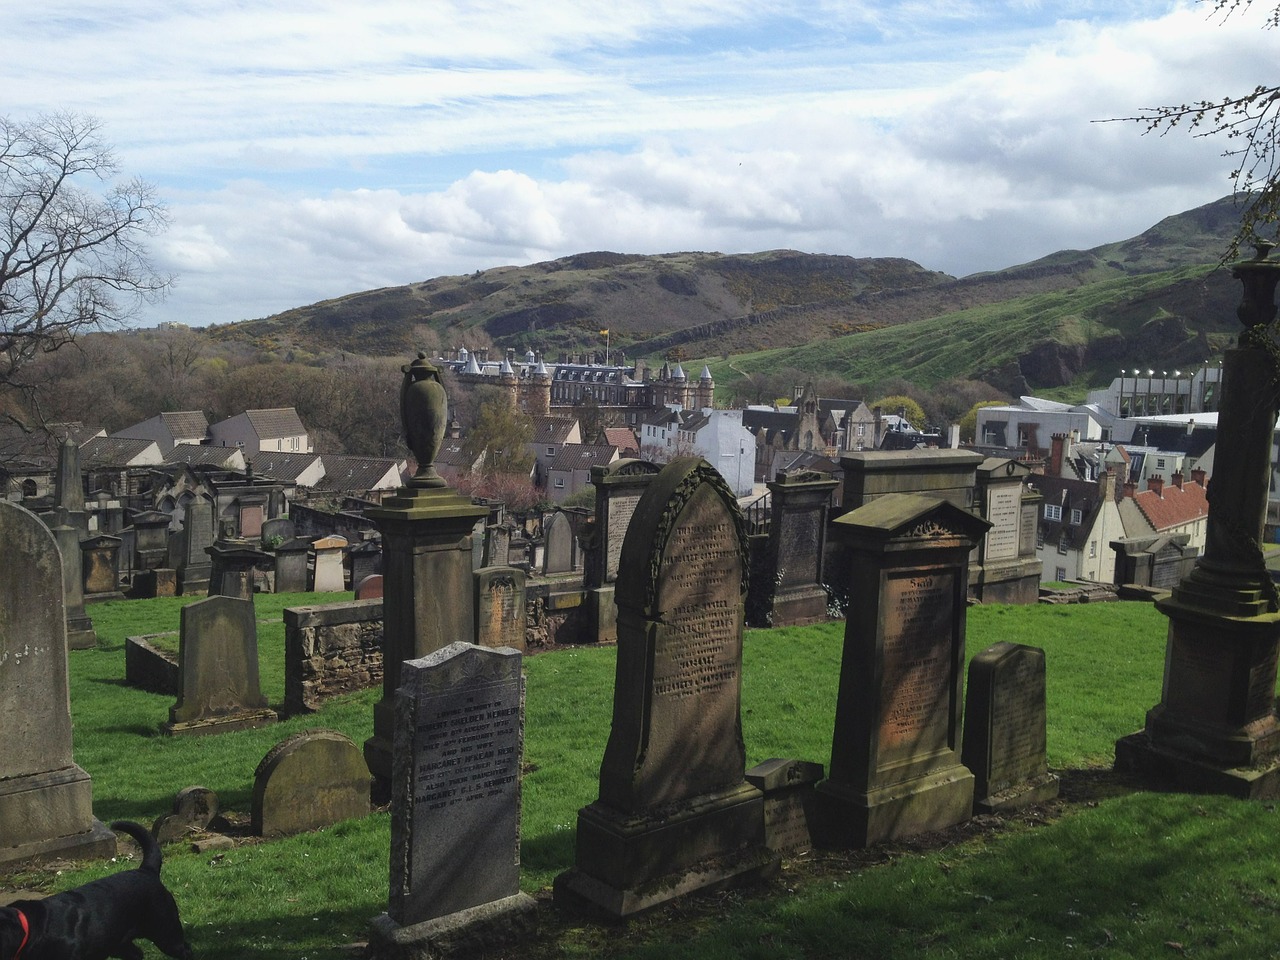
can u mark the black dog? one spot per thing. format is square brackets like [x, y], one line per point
[100, 919]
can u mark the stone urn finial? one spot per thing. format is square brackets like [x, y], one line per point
[424, 412]
[1259, 277]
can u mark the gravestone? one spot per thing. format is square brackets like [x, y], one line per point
[497, 545]
[307, 781]
[455, 807]
[789, 801]
[791, 591]
[218, 669]
[291, 565]
[560, 547]
[46, 801]
[160, 582]
[151, 539]
[500, 607]
[370, 588]
[619, 487]
[895, 754]
[193, 564]
[80, 633]
[1004, 729]
[193, 810]
[277, 530]
[233, 567]
[326, 575]
[100, 560]
[674, 814]
[1006, 568]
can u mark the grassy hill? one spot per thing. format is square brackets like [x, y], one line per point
[1068, 319]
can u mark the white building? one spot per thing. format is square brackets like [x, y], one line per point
[1031, 423]
[279, 429]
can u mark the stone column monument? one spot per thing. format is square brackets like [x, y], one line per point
[426, 554]
[1215, 727]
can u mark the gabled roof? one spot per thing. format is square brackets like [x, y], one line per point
[621, 437]
[552, 429]
[1173, 506]
[185, 424]
[276, 422]
[584, 456]
[1069, 494]
[116, 451]
[287, 467]
[200, 455]
[360, 473]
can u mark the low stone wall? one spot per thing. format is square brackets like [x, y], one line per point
[330, 649]
[148, 667]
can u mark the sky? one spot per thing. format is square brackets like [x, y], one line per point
[308, 149]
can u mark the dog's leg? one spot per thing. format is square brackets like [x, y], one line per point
[128, 951]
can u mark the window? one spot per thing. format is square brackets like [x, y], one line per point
[559, 483]
[1093, 549]
[1052, 511]
[1076, 517]
[1064, 543]
[551, 451]
[1060, 574]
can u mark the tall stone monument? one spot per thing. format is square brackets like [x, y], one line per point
[1215, 728]
[895, 754]
[618, 490]
[46, 801]
[1006, 568]
[70, 523]
[455, 808]
[427, 559]
[792, 591]
[675, 813]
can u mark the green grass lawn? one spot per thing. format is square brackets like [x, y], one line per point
[1114, 873]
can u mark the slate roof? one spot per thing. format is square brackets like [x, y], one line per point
[201, 455]
[186, 424]
[584, 456]
[276, 422]
[40, 445]
[1070, 494]
[286, 467]
[113, 451]
[359, 473]
[552, 429]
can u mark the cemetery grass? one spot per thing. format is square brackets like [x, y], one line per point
[1112, 869]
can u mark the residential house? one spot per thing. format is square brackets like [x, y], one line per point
[570, 473]
[1031, 422]
[1167, 508]
[297, 469]
[1078, 521]
[550, 434]
[369, 478]
[170, 429]
[279, 429]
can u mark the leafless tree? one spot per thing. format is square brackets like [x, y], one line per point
[1250, 124]
[73, 252]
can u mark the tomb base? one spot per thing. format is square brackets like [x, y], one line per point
[1019, 795]
[630, 863]
[800, 607]
[50, 815]
[80, 634]
[1215, 728]
[463, 934]
[850, 818]
[211, 725]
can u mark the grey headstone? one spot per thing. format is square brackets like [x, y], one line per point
[1004, 728]
[46, 806]
[455, 818]
[309, 780]
[560, 548]
[218, 669]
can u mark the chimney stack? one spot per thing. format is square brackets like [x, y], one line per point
[1057, 442]
[1197, 476]
[1176, 479]
[1156, 484]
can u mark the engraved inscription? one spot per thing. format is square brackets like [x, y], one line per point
[1004, 503]
[1017, 725]
[915, 700]
[621, 507]
[466, 751]
[798, 548]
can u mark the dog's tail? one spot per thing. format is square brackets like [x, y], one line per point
[150, 849]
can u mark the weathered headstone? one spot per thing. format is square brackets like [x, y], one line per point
[455, 808]
[500, 607]
[789, 801]
[46, 801]
[309, 780]
[193, 810]
[151, 539]
[560, 548]
[291, 565]
[791, 591]
[364, 559]
[218, 669]
[277, 530]
[895, 754]
[497, 545]
[194, 565]
[326, 554]
[1004, 729]
[233, 567]
[619, 487]
[675, 813]
[1005, 571]
[80, 633]
[100, 559]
